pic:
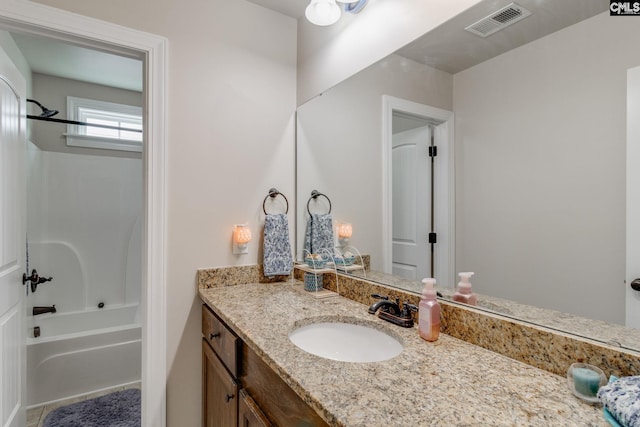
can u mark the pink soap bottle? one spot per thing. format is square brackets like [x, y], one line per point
[429, 312]
[464, 293]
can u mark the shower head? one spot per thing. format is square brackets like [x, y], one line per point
[45, 111]
[48, 113]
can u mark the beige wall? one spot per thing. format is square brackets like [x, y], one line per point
[328, 55]
[231, 100]
[540, 161]
[340, 144]
[52, 92]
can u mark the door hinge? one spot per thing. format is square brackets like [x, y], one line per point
[432, 238]
[433, 151]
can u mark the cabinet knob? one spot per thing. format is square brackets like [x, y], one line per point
[212, 336]
[635, 285]
[228, 397]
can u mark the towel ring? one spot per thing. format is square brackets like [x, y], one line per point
[273, 193]
[314, 195]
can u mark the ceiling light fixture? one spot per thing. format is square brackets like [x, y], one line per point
[327, 12]
[354, 6]
[322, 12]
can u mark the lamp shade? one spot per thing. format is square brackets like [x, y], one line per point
[345, 230]
[241, 234]
[322, 12]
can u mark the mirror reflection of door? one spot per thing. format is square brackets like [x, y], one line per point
[411, 198]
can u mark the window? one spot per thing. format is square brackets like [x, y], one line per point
[127, 118]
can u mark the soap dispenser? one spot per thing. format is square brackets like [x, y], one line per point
[429, 312]
[464, 294]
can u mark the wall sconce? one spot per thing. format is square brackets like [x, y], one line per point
[327, 12]
[241, 238]
[345, 230]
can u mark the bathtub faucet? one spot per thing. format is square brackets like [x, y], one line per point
[42, 310]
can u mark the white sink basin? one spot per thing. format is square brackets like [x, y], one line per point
[346, 342]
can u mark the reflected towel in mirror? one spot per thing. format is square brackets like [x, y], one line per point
[277, 256]
[319, 234]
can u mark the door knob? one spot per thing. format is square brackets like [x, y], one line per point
[32, 278]
[635, 285]
[35, 279]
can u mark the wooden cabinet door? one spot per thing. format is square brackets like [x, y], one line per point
[274, 397]
[249, 414]
[219, 391]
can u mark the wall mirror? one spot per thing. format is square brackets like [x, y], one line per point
[536, 163]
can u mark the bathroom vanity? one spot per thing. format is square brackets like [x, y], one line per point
[233, 373]
[255, 375]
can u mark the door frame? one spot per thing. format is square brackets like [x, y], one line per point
[444, 185]
[632, 298]
[33, 18]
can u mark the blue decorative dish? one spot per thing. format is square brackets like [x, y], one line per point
[344, 262]
[315, 262]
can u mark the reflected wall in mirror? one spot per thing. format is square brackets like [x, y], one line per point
[339, 145]
[540, 143]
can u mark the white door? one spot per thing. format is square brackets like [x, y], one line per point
[12, 246]
[633, 196]
[411, 200]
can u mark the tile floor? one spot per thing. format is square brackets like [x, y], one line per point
[36, 415]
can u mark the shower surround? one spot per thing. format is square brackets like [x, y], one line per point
[84, 229]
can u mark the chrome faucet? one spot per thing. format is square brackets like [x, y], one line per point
[42, 310]
[391, 311]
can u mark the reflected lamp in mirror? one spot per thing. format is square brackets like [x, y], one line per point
[241, 239]
[345, 230]
[327, 12]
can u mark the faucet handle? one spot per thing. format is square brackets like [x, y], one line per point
[378, 296]
[410, 307]
[407, 309]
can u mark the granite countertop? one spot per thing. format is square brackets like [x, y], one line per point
[446, 383]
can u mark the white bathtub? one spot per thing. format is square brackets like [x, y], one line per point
[82, 352]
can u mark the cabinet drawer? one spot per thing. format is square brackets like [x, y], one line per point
[277, 401]
[223, 341]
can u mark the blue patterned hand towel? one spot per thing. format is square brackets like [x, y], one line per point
[277, 249]
[319, 235]
[622, 399]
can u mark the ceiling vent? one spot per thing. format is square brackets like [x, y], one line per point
[498, 20]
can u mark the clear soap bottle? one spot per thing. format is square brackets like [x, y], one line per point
[464, 293]
[429, 312]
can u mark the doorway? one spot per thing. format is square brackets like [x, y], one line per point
[29, 18]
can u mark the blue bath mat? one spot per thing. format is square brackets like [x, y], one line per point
[117, 409]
